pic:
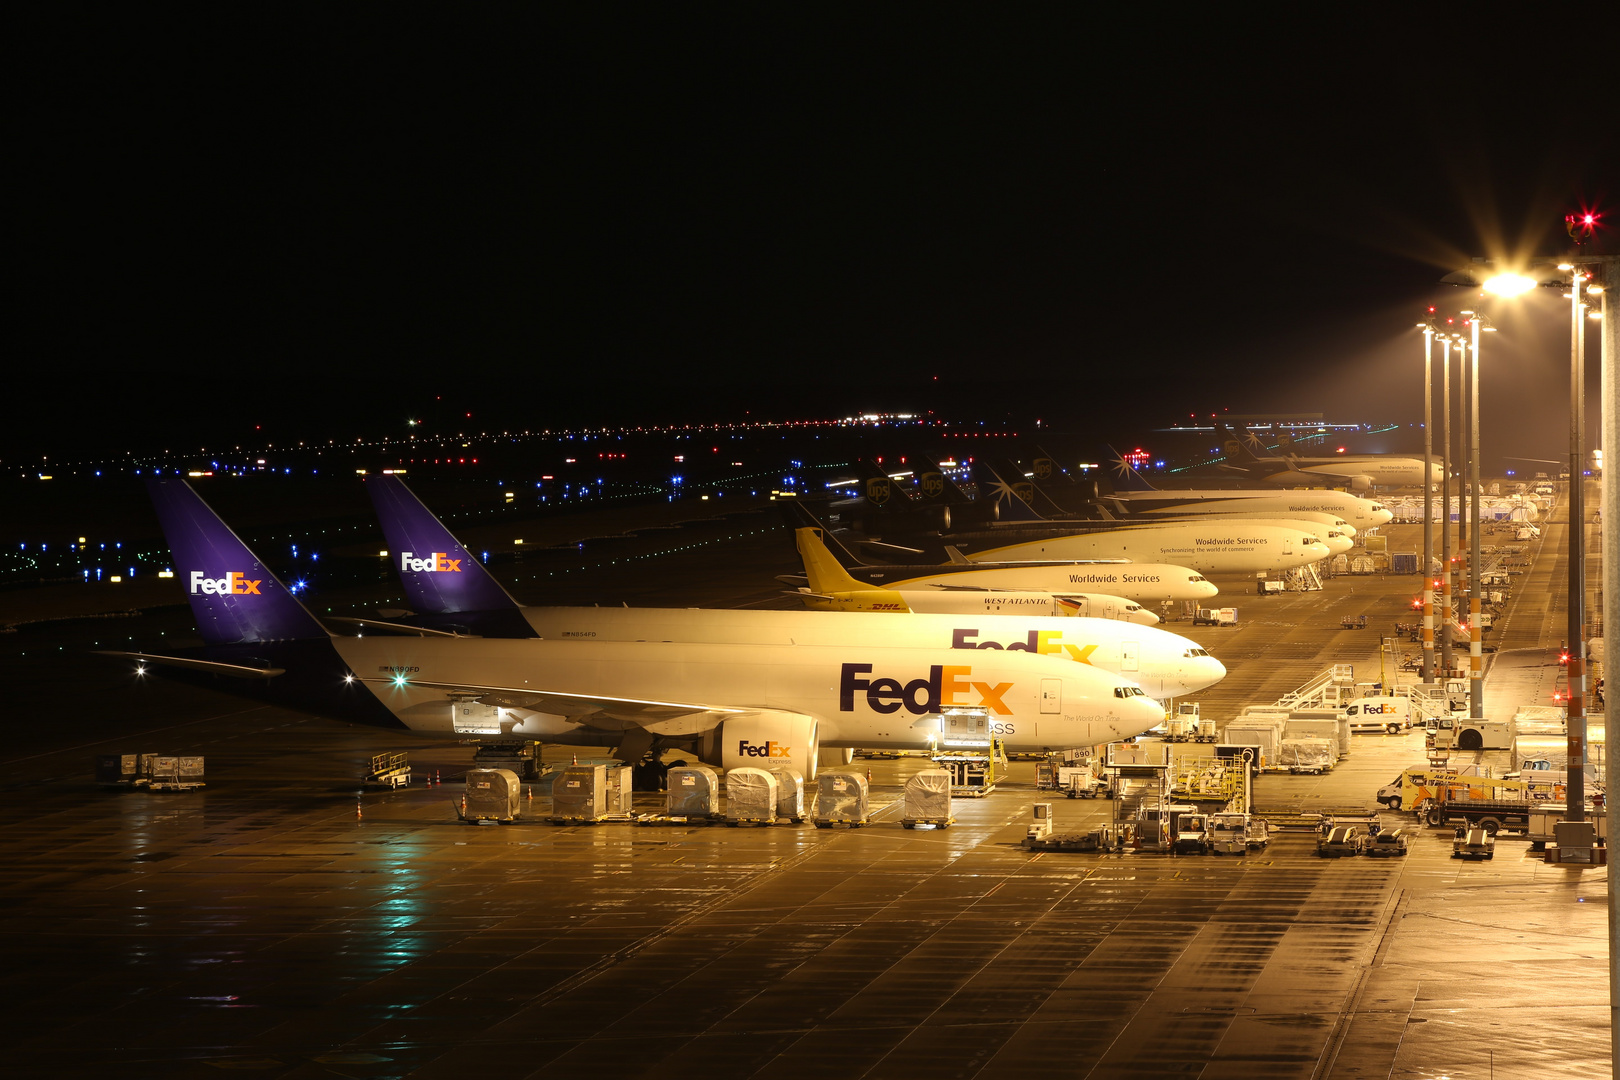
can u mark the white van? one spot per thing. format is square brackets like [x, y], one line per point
[1379, 714]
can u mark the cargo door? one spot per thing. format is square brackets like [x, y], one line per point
[1128, 653]
[1051, 695]
[1110, 609]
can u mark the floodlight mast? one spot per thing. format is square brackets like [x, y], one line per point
[1428, 500]
[1476, 657]
[1445, 504]
[1575, 789]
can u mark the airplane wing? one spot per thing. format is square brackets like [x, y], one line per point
[216, 667]
[659, 717]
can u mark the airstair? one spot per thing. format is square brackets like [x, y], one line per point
[1303, 579]
[1331, 688]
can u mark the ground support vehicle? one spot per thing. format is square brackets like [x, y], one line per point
[1419, 788]
[1492, 815]
[1544, 818]
[1473, 843]
[1389, 843]
[1232, 833]
[389, 770]
[1342, 840]
[1192, 835]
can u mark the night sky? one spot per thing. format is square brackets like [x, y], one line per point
[325, 221]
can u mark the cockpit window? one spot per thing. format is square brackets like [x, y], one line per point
[1197, 577]
[1195, 652]
[1129, 691]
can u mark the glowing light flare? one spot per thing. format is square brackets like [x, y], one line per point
[1509, 284]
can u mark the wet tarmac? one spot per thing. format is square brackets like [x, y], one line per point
[281, 923]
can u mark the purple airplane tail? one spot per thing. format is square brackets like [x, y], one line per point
[440, 575]
[234, 598]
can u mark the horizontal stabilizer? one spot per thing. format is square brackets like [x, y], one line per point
[641, 711]
[235, 671]
[399, 628]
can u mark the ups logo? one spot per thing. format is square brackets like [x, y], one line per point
[878, 490]
[933, 484]
[1043, 468]
[1025, 491]
[1231, 446]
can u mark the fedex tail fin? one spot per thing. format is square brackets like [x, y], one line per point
[234, 598]
[1003, 492]
[1126, 478]
[440, 576]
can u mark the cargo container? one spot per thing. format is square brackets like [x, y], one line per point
[750, 796]
[694, 792]
[841, 799]
[928, 799]
[493, 795]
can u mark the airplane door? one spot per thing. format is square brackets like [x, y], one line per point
[1051, 695]
[1127, 656]
[1110, 609]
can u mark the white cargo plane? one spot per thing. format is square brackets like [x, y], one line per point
[1162, 663]
[831, 588]
[1218, 547]
[1134, 495]
[1336, 540]
[730, 703]
[1358, 472]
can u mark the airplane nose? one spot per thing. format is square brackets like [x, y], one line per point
[1147, 712]
[1208, 590]
[1213, 670]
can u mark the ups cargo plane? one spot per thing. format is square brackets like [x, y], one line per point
[728, 703]
[1161, 663]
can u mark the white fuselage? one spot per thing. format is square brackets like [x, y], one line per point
[1337, 542]
[1145, 583]
[942, 601]
[1362, 513]
[1382, 471]
[1161, 663]
[854, 695]
[1332, 522]
[1213, 548]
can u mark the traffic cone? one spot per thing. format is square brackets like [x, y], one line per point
[436, 779]
[358, 814]
[575, 759]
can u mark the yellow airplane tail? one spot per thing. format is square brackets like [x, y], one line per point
[825, 573]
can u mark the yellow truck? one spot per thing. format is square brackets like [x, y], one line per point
[1419, 789]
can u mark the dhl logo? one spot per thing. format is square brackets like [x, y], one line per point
[1046, 642]
[946, 685]
[232, 584]
[438, 562]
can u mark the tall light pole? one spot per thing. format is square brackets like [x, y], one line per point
[1610, 334]
[1476, 657]
[1428, 500]
[1576, 786]
[1445, 502]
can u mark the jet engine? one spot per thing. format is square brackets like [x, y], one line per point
[1360, 482]
[763, 739]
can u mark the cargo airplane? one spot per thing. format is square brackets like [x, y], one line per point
[728, 703]
[1162, 663]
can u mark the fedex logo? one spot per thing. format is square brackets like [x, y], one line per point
[232, 584]
[771, 749]
[1048, 642]
[436, 563]
[946, 685]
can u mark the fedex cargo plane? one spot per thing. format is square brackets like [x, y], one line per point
[725, 702]
[1162, 663]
